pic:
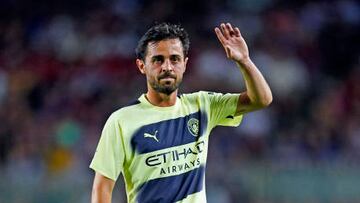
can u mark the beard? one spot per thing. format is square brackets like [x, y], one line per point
[166, 87]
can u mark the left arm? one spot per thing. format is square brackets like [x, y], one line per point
[258, 94]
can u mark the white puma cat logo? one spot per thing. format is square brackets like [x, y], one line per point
[151, 136]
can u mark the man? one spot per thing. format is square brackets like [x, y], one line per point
[159, 143]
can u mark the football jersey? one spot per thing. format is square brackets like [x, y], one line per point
[161, 151]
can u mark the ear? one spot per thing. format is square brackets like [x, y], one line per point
[185, 62]
[141, 65]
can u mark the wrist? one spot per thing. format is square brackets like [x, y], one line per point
[246, 62]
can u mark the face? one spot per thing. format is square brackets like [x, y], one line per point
[164, 65]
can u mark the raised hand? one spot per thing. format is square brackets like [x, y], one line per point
[233, 43]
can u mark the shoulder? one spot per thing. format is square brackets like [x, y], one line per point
[201, 96]
[125, 110]
[197, 95]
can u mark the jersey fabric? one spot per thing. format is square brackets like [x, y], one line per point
[162, 151]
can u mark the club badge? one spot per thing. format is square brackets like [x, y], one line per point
[193, 126]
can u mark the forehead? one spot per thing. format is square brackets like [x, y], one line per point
[165, 47]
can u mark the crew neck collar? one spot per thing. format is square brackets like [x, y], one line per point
[146, 102]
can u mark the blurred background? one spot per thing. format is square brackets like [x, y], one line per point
[65, 65]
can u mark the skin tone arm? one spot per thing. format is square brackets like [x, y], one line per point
[102, 189]
[258, 94]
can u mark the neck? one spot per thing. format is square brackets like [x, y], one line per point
[161, 99]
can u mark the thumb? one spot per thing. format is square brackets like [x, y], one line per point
[228, 52]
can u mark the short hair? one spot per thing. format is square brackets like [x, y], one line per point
[160, 32]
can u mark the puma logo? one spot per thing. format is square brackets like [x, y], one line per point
[152, 136]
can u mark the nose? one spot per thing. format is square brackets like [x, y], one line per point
[167, 66]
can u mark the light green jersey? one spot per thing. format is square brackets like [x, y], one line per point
[162, 151]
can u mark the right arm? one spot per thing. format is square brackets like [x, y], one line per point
[102, 189]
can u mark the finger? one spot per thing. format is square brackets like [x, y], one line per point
[225, 31]
[230, 29]
[237, 32]
[228, 52]
[220, 35]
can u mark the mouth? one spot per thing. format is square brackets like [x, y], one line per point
[167, 81]
[167, 77]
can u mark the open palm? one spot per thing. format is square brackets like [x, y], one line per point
[233, 43]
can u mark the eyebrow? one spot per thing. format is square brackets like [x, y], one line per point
[162, 57]
[157, 57]
[175, 56]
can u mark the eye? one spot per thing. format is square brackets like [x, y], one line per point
[175, 58]
[158, 60]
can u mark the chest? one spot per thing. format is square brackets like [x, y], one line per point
[168, 133]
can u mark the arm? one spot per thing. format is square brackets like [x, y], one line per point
[102, 189]
[258, 94]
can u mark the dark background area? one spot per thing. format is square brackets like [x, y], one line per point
[66, 65]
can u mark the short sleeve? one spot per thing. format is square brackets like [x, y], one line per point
[109, 156]
[223, 109]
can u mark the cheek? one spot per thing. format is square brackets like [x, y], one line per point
[180, 69]
[151, 75]
[152, 70]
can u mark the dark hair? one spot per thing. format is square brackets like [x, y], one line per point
[160, 32]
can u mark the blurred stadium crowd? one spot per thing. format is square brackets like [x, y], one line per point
[66, 65]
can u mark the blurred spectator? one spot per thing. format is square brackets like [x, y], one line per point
[65, 66]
